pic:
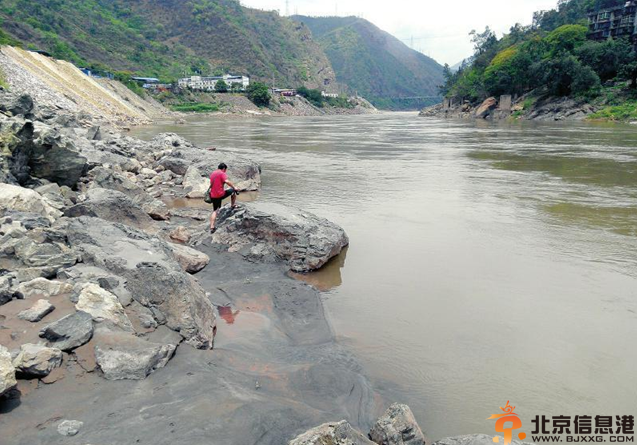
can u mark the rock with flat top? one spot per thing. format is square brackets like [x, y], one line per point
[37, 360]
[266, 230]
[397, 426]
[69, 332]
[7, 371]
[333, 433]
[37, 312]
[8, 288]
[123, 356]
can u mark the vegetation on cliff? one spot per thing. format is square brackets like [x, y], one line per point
[551, 57]
[168, 38]
[375, 64]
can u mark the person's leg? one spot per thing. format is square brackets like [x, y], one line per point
[216, 205]
[233, 199]
[213, 219]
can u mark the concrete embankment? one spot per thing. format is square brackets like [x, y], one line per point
[61, 85]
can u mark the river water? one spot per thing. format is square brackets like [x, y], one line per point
[488, 261]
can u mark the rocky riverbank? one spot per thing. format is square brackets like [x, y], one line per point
[122, 320]
[524, 108]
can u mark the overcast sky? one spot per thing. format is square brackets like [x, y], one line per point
[439, 28]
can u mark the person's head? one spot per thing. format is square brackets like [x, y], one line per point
[223, 167]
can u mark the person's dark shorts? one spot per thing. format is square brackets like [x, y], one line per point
[216, 202]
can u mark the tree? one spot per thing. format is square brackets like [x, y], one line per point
[221, 86]
[236, 87]
[259, 94]
[606, 58]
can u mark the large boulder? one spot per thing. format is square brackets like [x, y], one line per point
[397, 426]
[485, 109]
[111, 205]
[152, 275]
[195, 183]
[191, 260]
[37, 360]
[123, 356]
[261, 230]
[103, 306]
[54, 157]
[69, 332]
[26, 200]
[473, 439]
[333, 433]
[107, 179]
[16, 104]
[7, 371]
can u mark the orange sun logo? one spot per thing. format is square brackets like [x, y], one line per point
[508, 416]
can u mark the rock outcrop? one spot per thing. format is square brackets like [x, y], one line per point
[397, 426]
[273, 231]
[483, 111]
[153, 277]
[337, 433]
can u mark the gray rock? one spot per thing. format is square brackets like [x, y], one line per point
[54, 157]
[103, 306]
[123, 356]
[191, 260]
[334, 433]
[107, 179]
[485, 109]
[195, 182]
[69, 332]
[37, 360]
[70, 427]
[397, 426]
[260, 230]
[111, 205]
[7, 371]
[37, 312]
[473, 439]
[17, 105]
[176, 165]
[153, 277]
[8, 288]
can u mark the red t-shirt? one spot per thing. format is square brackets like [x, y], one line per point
[218, 178]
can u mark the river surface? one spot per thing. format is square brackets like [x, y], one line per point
[488, 261]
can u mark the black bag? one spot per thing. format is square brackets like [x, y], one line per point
[207, 198]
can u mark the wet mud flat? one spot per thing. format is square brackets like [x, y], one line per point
[276, 370]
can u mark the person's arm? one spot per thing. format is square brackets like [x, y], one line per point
[230, 184]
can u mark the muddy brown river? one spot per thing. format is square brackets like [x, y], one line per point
[488, 261]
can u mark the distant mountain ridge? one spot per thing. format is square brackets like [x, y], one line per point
[376, 64]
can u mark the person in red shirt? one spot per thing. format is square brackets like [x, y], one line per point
[218, 179]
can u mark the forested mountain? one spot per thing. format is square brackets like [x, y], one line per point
[551, 57]
[374, 63]
[169, 38]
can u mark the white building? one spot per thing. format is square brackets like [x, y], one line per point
[199, 83]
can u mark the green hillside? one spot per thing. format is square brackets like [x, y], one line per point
[374, 63]
[169, 38]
